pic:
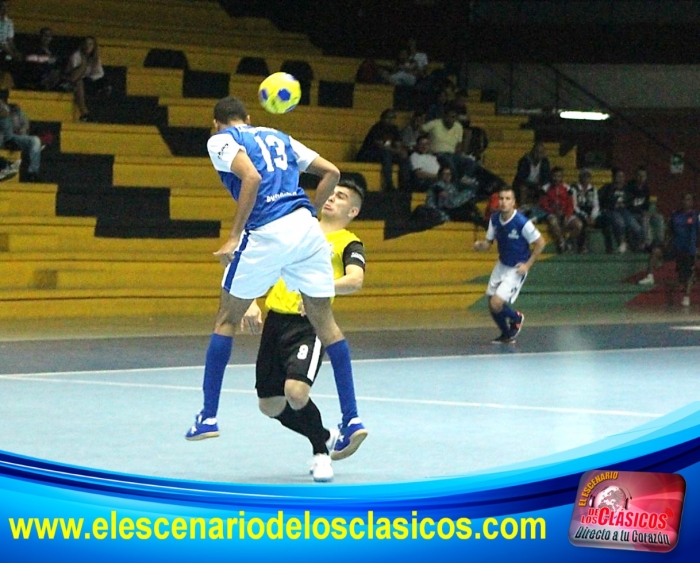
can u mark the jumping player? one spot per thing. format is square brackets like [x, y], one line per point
[290, 353]
[275, 234]
[514, 234]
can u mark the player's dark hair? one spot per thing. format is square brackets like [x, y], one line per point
[228, 109]
[556, 169]
[350, 184]
[506, 188]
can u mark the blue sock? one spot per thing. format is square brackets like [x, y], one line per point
[500, 320]
[339, 354]
[508, 312]
[218, 354]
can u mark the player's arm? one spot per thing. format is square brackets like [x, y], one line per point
[310, 161]
[252, 319]
[354, 264]
[484, 245]
[536, 240]
[250, 178]
[329, 174]
[228, 156]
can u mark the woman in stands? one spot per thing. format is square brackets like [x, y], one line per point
[84, 74]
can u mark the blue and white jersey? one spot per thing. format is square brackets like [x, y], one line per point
[514, 237]
[277, 157]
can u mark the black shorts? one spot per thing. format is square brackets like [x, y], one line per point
[289, 349]
[685, 263]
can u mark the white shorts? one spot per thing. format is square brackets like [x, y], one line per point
[505, 282]
[292, 247]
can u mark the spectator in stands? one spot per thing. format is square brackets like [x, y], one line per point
[586, 207]
[532, 173]
[383, 144]
[424, 166]
[618, 224]
[681, 247]
[438, 106]
[85, 75]
[651, 222]
[474, 141]
[28, 144]
[404, 71]
[454, 200]
[558, 202]
[412, 131]
[418, 59]
[446, 140]
[41, 70]
[10, 56]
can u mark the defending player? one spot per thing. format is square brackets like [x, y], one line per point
[290, 353]
[514, 234]
[275, 234]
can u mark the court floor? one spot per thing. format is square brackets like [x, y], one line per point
[437, 402]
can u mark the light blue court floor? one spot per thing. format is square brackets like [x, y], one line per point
[427, 416]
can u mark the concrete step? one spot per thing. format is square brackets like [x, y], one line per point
[152, 21]
[22, 199]
[97, 138]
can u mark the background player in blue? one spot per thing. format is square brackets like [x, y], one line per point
[681, 247]
[275, 234]
[514, 234]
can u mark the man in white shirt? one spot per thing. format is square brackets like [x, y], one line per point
[424, 165]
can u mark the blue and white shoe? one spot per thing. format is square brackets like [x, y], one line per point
[203, 429]
[351, 436]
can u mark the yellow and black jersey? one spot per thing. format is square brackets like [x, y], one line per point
[345, 249]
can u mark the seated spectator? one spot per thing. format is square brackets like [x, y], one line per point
[28, 144]
[10, 56]
[41, 69]
[437, 106]
[446, 142]
[85, 75]
[532, 173]
[619, 225]
[558, 202]
[639, 199]
[383, 144]
[418, 59]
[586, 207]
[455, 201]
[424, 165]
[474, 141]
[404, 72]
[680, 246]
[412, 131]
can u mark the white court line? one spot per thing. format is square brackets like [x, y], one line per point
[371, 361]
[428, 402]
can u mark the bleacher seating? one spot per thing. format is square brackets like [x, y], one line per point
[132, 209]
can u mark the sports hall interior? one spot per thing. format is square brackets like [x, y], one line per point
[116, 243]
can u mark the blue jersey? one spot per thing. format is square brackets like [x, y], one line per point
[684, 228]
[514, 237]
[277, 157]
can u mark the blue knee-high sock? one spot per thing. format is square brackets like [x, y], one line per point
[500, 320]
[339, 354]
[218, 354]
[508, 312]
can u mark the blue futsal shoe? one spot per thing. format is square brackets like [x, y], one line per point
[351, 436]
[203, 429]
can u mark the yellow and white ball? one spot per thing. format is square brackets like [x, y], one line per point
[279, 93]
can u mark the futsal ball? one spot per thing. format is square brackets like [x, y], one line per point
[279, 93]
